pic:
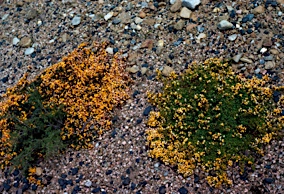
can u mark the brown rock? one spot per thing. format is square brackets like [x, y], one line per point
[125, 17]
[25, 42]
[185, 13]
[267, 42]
[149, 21]
[189, 27]
[194, 16]
[38, 171]
[167, 70]
[280, 1]
[148, 43]
[274, 51]
[142, 14]
[31, 14]
[258, 10]
[176, 6]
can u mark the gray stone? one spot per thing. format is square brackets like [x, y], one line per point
[233, 37]
[237, 57]
[191, 4]
[25, 42]
[76, 21]
[268, 58]
[133, 69]
[138, 20]
[88, 183]
[29, 51]
[31, 14]
[179, 25]
[108, 16]
[125, 17]
[225, 25]
[5, 16]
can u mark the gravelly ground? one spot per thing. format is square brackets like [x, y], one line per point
[159, 38]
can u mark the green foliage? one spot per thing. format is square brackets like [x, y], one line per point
[210, 117]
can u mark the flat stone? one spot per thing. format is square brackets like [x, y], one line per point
[225, 25]
[237, 57]
[15, 41]
[246, 60]
[233, 37]
[269, 65]
[31, 14]
[142, 14]
[176, 6]
[200, 37]
[64, 37]
[88, 183]
[185, 13]
[125, 17]
[144, 70]
[148, 43]
[274, 51]
[76, 21]
[160, 43]
[258, 10]
[133, 69]
[29, 51]
[179, 25]
[190, 26]
[167, 70]
[191, 4]
[138, 20]
[109, 50]
[108, 16]
[267, 42]
[25, 42]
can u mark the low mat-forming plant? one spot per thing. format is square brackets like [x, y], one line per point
[210, 118]
[68, 104]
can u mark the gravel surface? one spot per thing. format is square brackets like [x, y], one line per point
[154, 35]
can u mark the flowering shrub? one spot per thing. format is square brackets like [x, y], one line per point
[69, 103]
[209, 118]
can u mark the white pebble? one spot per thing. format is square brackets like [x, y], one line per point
[109, 50]
[76, 21]
[263, 50]
[233, 37]
[157, 165]
[16, 41]
[108, 16]
[88, 183]
[29, 51]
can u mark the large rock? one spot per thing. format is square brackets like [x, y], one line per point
[191, 4]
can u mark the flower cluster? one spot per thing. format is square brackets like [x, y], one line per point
[209, 117]
[87, 85]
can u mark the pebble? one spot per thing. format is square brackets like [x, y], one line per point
[246, 60]
[108, 16]
[133, 69]
[138, 20]
[225, 25]
[179, 25]
[183, 190]
[176, 6]
[248, 18]
[162, 190]
[25, 42]
[5, 16]
[109, 50]
[268, 180]
[167, 70]
[237, 57]
[263, 50]
[258, 10]
[269, 65]
[156, 165]
[268, 58]
[29, 51]
[126, 181]
[88, 183]
[257, 71]
[233, 37]
[144, 70]
[185, 13]
[147, 111]
[76, 21]
[200, 36]
[38, 171]
[191, 4]
[15, 41]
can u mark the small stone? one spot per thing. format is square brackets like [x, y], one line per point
[246, 60]
[108, 16]
[258, 10]
[142, 14]
[108, 172]
[248, 18]
[64, 37]
[148, 43]
[257, 71]
[274, 51]
[88, 183]
[138, 20]
[160, 43]
[189, 27]
[31, 14]
[225, 25]
[126, 181]
[179, 25]
[162, 190]
[200, 36]
[38, 171]
[156, 165]
[167, 70]
[29, 51]
[233, 37]
[15, 41]
[176, 6]
[76, 21]
[25, 42]
[183, 190]
[185, 13]
[237, 57]
[268, 58]
[267, 42]
[109, 50]
[191, 4]
[269, 65]
[144, 70]
[133, 69]
[5, 16]
[147, 111]
[268, 180]
[263, 50]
